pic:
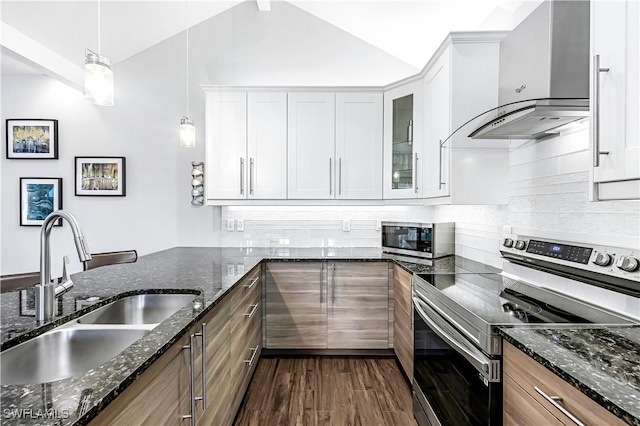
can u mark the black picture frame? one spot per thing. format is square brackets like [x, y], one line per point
[31, 139]
[100, 176]
[39, 196]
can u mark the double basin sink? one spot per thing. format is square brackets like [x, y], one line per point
[89, 341]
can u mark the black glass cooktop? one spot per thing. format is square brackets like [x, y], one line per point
[498, 300]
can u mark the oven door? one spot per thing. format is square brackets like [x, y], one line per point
[454, 382]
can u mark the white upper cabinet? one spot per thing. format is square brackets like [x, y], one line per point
[311, 131]
[403, 141]
[267, 146]
[460, 83]
[246, 147]
[615, 92]
[358, 151]
[437, 116]
[226, 145]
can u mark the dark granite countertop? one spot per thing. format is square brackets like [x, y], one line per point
[602, 362]
[208, 272]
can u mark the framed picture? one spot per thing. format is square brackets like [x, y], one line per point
[101, 176]
[38, 198]
[34, 139]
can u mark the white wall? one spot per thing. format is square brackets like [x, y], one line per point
[109, 223]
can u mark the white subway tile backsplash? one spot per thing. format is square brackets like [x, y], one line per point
[602, 223]
[573, 162]
[565, 202]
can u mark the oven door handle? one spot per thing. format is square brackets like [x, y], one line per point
[480, 362]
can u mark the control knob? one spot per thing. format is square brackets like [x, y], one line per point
[520, 245]
[628, 263]
[602, 259]
[507, 242]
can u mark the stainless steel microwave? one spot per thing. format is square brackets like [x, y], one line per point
[428, 240]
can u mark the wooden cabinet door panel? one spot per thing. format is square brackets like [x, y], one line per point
[403, 327]
[520, 409]
[528, 373]
[218, 409]
[358, 305]
[160, 396]
[296, 310]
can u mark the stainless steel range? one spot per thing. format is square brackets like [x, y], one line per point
[457, 350]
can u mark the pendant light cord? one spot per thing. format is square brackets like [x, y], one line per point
[99, 19]
[187, 58]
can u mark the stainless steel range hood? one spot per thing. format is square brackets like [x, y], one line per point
[544, 73]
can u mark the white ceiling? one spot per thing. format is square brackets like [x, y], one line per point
[410, 30]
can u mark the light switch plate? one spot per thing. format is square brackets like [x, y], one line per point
[240, 224]
[230, 224]
[346, 225]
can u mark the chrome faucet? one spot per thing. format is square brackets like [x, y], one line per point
[47, 291]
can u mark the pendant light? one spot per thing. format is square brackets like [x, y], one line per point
[98, 75]
[187, 128]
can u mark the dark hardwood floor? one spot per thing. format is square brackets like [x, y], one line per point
[336, 391]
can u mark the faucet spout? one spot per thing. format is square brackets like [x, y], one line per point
[46, 291]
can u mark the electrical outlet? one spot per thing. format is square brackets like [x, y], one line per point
[240, 224]
[240, 268]
[346, 225]
[506, 229]
[231, 269]
[230, 224]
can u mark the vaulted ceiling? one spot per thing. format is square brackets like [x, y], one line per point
[41, 36]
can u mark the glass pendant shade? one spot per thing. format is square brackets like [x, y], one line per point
[187, 133]
[98, 79]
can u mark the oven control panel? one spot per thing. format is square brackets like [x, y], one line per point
[560, 251]
[613, 261]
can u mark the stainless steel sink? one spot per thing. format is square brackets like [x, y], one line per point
[64, 352]
[138, 309]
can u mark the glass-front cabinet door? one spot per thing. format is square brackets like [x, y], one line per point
[403, 141]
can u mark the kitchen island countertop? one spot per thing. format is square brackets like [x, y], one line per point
[602, 362]
[209, 272]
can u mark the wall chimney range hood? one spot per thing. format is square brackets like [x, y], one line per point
[544, 73]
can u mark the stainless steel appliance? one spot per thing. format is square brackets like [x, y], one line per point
[544, 73]
[428, 240]
[457, 350]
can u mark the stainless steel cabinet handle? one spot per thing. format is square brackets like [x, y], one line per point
[250, 285]
[333, 283]
[321, 280]
[192, 381]
[330, 179]
[596, 111]
[254, 352]
[554, 400]
[440, 182]
[416, 172]
[241, 176]
[253, 310]
[203, 364]
[251, 162]
[340, 176]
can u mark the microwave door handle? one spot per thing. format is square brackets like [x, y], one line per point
[480, 363]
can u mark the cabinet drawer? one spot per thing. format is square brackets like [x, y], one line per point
[528, 373]
[521, 409]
